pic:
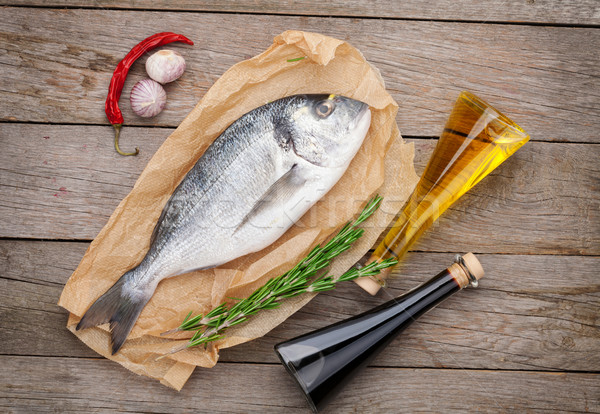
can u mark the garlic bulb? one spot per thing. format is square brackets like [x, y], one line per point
[165, 66]
[147, 98]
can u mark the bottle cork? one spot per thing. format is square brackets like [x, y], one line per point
[467, 270]
[474, 265]
[372, 285]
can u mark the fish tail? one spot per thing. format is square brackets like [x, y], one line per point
[119, 307]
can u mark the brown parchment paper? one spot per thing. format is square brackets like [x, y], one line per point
[330, 66]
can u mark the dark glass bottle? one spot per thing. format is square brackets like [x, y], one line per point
[323, 361]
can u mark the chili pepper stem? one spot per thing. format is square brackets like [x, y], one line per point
[117, 133]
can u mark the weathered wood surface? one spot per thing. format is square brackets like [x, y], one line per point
[83, 385]
[545, 199]
[57, 64]
[529, 313]
[582, 12]
[527, 340]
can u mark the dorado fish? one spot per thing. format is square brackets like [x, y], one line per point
[250, 186]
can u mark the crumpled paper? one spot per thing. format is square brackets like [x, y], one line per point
[328, 66]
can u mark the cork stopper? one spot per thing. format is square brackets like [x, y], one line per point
[466, 270]
[473, 265]
[372, 285]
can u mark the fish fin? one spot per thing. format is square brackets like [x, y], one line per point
[119, 308]
[170, 214]
[280, 191]
[158, 224]
[123, 320]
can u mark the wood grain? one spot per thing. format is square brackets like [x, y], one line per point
[527, 340]
[63, 182]
[544, 11]
[79, 385]
[531, 312]
[57, 64]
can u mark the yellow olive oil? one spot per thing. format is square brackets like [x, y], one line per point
[477, 138]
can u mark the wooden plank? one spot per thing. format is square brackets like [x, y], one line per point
[546, 11]
[63, 182]
[69, 177]
[30, 384]
[531, 312]
[32, 276]
[543, 77]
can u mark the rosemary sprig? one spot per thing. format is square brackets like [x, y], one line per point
[300, 279]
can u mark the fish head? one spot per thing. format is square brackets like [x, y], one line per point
[328, 130]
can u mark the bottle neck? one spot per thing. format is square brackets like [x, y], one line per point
[406, 308]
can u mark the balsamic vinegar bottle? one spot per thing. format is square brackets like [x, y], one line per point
[323, 361]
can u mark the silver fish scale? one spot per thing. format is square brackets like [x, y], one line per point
[206, 207]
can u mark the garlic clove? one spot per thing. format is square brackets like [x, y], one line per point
[165, 66]
[148, 98]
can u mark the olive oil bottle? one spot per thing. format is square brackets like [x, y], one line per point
[477, 138]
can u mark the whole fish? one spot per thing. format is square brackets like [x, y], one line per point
[250, 186]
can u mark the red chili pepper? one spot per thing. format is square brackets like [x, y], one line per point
[118, 80]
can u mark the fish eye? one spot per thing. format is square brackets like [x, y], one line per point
[324, 108]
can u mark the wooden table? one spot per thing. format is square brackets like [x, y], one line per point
[527, 340]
